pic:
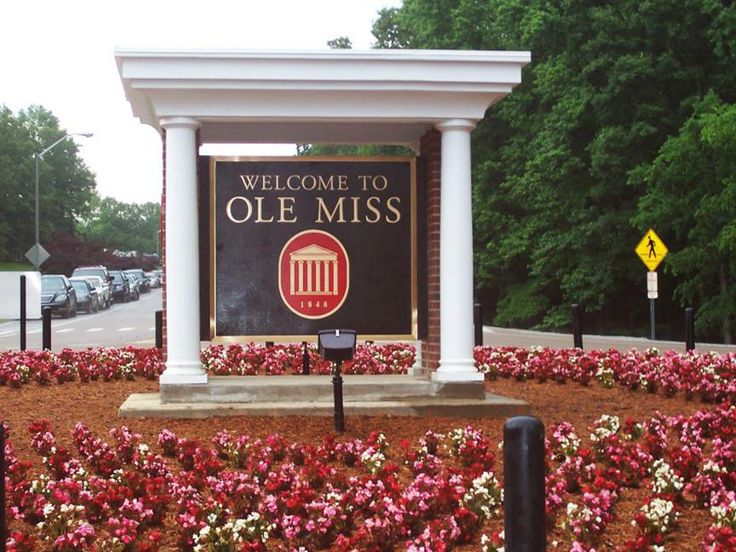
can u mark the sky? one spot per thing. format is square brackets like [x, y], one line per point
[61, 55]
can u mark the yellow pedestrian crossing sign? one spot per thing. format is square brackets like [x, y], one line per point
[651, 250]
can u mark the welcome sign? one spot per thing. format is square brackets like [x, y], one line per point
[303, 244]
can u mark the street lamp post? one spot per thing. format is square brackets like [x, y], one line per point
[39, 156]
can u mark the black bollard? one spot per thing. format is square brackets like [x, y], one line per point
[478, 323]
[269, 344]
[523, 464]
[46, 328]
[159, 329]
[689, 329]
[3, 529]
[23, 314]
[577, 332]
[305, 358]
[339, 416]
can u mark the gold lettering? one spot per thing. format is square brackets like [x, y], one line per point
[393, 209]
[288, 183]
[259, 211]
[278, 186]
[266, 182]
[313, 181]
[229, 209]
[342, 182]
[364, 181]
[283, 209]
[373, 209]
[249, 180]
[325, 185]
[356, 209]
[322, 207]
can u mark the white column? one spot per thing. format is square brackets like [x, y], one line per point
[183, 365]
[456, 256]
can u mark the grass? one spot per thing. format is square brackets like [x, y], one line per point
[7, 266]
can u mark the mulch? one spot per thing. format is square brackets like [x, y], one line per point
[96, 404]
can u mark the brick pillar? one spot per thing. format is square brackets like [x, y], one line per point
[163, 237]
[431, 153]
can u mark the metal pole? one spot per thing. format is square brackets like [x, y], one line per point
[689, 329]
[523, 465]
[35, 262]
[3, 529]
[339, 416]
[159, 329]
[652, 332]
[305, 359]
[46, 333]
[577, 332]
[22, 314]
[478, 323]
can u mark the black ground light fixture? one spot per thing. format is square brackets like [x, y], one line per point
[337, 346]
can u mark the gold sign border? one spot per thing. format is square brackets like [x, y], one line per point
[217, 339]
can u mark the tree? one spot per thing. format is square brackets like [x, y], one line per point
[554, 163]
[122, 226]
[691, 194]
[66, 184]
[340, 43]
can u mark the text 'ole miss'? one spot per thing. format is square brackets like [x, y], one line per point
[353, 209]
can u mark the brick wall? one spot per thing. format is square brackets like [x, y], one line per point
[163, 235]
[431, 152]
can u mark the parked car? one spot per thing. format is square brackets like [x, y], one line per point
[103, 274]
[121, 286]
[58, 293]
[154, 278]
[144, 284]
[86, 295]
[96, 282]
[135, 285]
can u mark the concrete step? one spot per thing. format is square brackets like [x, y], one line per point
[149, 405]
[246, 389]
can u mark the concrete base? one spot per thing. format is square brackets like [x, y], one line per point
[397, 395]
[149, 405]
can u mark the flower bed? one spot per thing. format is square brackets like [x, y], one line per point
[613, 482]
[710, 376]
[22, 367]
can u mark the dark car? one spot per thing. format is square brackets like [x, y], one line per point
[86, 295]
[144, 283]
[121, 286]
[58, 293]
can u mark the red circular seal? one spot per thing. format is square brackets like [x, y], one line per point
[314, 274]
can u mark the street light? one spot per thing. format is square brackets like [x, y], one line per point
[39, 156]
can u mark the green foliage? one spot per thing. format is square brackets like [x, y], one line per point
[691, 194]
[66, 185]
[340, 43]
[123, 226]
[558, 164]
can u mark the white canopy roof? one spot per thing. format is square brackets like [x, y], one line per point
[330, 96]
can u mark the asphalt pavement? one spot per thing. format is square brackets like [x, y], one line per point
[132, 323]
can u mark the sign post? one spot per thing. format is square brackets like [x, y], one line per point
[651, 250]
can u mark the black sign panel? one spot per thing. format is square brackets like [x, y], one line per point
[302, 244]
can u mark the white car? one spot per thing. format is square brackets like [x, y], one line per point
[96, 282]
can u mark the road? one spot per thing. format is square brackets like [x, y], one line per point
[134, 324]
[526, 338]
[123, 324]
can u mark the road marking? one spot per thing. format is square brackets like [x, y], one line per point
[94, 330]
[66, 330]
[151, 328]
[126, 329]
[7, 334]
